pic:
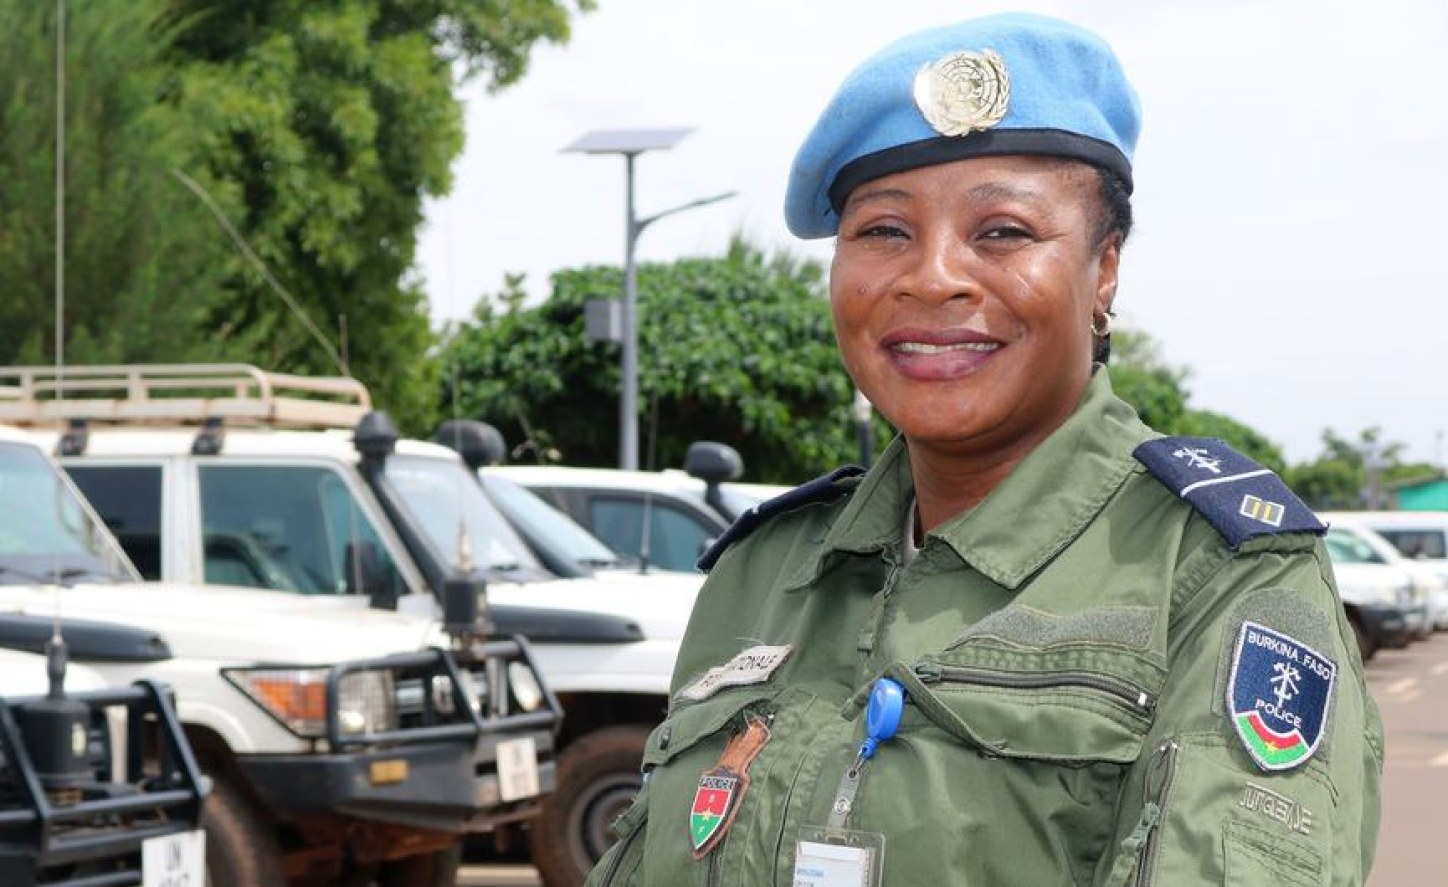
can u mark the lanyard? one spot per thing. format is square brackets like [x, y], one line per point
[882, 718]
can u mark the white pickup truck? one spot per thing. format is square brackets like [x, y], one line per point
[297, 485]
[339, 742]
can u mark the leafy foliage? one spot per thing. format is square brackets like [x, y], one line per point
[1158, 391]
[138, 260]
[315, 128]
[1351, 474]
[325, 126]
[738, 349]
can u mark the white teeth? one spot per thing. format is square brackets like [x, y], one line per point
[924, 348]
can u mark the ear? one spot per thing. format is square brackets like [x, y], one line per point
[1108, 262]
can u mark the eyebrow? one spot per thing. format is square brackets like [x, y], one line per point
[866, 196]
[991, 191]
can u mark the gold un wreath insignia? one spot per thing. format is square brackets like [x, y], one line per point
[963, 92]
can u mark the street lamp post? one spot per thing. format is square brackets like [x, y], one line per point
[631, 143]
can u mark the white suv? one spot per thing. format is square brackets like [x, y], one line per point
[338, 742]
[328, 504]
[683, 510]
[1389, 533]
[97, 786]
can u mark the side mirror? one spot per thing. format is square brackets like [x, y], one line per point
[366, 575]
[477, 442]
[714, 463]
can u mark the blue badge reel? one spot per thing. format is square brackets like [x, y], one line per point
[835, 855]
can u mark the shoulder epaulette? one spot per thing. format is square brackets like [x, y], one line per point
[1235, 494]
[826, 488]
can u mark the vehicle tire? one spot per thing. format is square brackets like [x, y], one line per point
[436, 869]
[598, 776]
[1367, 645]
[241, 850]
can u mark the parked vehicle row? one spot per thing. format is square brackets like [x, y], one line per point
[323, 509]
[1390, 599]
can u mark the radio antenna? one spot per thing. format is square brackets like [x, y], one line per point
[56, 642]
[276, 285]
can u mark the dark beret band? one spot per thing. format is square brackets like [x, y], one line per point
[991, 143]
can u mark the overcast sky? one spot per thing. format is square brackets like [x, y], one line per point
[1292, 179]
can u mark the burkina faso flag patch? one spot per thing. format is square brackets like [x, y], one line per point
[1279, 694]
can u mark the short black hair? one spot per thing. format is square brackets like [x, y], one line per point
[1113, 211]
[1112, 216]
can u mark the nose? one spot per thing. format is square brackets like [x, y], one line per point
[939, 269]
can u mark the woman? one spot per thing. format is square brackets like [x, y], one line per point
[1037, 643]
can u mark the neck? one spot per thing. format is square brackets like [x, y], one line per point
[947, 485]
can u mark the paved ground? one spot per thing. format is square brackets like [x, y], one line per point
[1411, 688]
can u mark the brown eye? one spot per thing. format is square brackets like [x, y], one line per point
[1006, 232]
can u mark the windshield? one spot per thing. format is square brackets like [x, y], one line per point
[543, 523]
[47, 534]
[436, 492]
[1348, 548]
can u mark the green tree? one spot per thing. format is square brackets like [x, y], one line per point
[738, 349]
[1144, 379]
[1350, 474]
[324, 126]
[139, 261]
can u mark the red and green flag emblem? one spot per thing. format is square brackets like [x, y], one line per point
[1279, 693]
[713, 801]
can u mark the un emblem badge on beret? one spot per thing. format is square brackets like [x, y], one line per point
[963, 92]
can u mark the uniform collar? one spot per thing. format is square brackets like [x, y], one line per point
[1034, 513]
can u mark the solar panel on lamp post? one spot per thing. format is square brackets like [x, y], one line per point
[630, 143]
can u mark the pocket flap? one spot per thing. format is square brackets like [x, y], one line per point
[1046, 716]
[690, 723]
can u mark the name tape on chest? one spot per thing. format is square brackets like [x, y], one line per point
[1278, 695]
[753, 666]
[1238, 497]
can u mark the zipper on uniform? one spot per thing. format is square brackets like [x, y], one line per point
[1131, 695]
[621, 855]
[1156, 794]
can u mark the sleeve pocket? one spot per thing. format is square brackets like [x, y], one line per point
[1256, 857]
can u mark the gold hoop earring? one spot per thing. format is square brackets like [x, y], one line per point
[1104, 329]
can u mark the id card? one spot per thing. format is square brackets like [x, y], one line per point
[838, 858]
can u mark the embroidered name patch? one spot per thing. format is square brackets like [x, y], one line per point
[753, 666]
[1278, 695]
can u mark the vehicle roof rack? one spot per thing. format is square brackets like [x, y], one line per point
[237, 394]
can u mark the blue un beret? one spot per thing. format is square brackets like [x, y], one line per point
[1003, 84]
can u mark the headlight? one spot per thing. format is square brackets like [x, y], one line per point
[366, 702]
[525, 686]
[298, 698]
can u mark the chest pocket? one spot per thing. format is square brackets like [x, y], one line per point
[1062, 706]
[691, 724]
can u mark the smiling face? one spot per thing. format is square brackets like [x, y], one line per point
[963, 295]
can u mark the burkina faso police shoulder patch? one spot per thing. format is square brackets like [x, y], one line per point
[1278, 696]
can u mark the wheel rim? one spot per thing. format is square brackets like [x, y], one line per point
[590, 822]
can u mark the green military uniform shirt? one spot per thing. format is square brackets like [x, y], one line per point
[1069, 649]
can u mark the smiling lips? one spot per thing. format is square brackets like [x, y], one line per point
[939, 355]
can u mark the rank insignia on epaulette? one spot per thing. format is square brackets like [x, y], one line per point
[1238, 497]
[721, 789]
[1278, 695]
